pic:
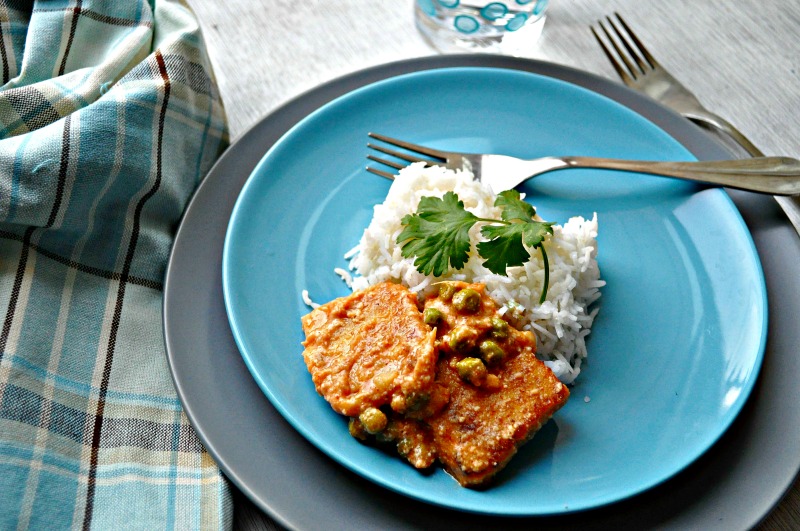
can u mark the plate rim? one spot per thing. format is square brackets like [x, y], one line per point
[258, 175]
[543, 68]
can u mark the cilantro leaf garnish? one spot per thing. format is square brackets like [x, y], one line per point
[504, 247]
[437, 235]
[514, 208]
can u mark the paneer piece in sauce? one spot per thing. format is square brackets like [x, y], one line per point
[481, 429]
[408, 432]
[370, 349]
[413, 440]
[493, 411]
[453, 382]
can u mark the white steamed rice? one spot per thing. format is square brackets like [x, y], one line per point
[561, 323]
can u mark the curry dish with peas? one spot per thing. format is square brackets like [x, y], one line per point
[444, 379]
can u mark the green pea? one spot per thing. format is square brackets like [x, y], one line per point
[356, 429]
[461, 339]
[431, 316]
[446, 291]
[491, 352]
[467, 300]
[499, 328]
[417, 400]
[472, 370]
[373, 419]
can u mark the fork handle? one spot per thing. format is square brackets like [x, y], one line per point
[790, 205]
[773, 175]
[719, 123]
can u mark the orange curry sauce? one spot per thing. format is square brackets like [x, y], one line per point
[451, 379]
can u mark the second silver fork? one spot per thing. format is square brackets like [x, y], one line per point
[639, 70]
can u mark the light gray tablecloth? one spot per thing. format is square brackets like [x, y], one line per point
[742, 59]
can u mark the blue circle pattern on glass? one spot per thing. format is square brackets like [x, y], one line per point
[516, 22]
[427, 7]
[468, 24]
[494, 11]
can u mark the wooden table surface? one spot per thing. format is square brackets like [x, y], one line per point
[742, 59]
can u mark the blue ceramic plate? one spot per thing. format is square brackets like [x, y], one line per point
[673, 354]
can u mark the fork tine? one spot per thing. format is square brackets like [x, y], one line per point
[409, 146]
[637, 42]
[399, 154]
[635, 72]
[381, 173]
[626, 78]
[390, 163]
[643, 66]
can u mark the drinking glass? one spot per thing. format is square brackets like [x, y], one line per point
[509, 27]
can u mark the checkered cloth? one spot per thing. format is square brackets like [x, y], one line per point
[109, 118]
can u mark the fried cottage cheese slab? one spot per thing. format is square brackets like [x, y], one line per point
[481, 429]
[488, 396]
[370, 349]
[489, 416]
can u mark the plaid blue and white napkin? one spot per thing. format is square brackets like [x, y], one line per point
[109, 118]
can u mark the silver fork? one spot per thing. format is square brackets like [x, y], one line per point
[773, 175]
[639, 70]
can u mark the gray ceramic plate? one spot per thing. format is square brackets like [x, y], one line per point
[734, 485]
